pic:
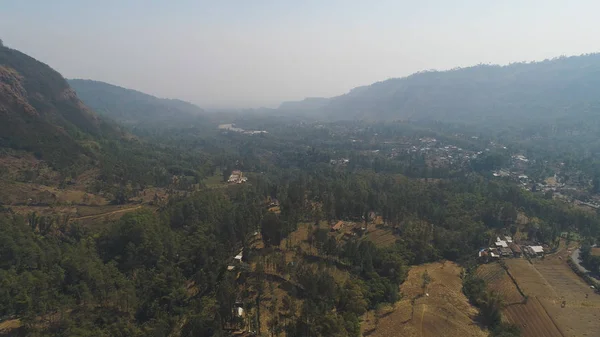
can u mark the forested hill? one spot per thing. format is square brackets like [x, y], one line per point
[134, 108]
[40, 113]
[542, 92]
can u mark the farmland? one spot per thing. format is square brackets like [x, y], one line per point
[546, 283]
[581, 314]
[441, 309]
[498, 280]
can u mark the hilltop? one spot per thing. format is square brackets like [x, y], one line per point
[59, 156]
[40, 113]
[133, 108]
[537, 92]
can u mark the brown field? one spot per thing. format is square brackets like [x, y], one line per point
[596, 251]
[382, 237]
[532, 319]
[498, 280]
[581, 315]
[9, 325]
[445, 312]
[548, 282]
[529, 279]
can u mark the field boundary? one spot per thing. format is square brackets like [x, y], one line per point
[506, 269]
[550, 316]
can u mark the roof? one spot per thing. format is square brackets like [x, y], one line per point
[502, 244]
[537, 249]
[240, 255]
[515, 248]
[338, 225]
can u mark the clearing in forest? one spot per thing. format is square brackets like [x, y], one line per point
[439, 309]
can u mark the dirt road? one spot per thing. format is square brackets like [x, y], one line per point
[130, 209]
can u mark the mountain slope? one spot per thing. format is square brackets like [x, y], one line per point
[523, 92]
[40, 113]
[134, 108]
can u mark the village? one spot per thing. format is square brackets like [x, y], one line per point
[504, 247]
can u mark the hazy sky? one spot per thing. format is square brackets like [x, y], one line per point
[249, 53]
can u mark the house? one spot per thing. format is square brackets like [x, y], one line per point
[506, 252]
[508, 239]
[237, 177]
[494, 253]
[337, 226]
[501, 244]
[515, 249]
[238, 258]
[535, 250]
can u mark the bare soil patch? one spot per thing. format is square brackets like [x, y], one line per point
[439, 310]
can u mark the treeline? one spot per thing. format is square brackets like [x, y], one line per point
[590, 261]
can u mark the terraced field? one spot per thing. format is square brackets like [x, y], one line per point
[532, 318]
[498, 280]
[559, 302]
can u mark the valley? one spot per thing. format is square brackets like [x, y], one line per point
[125, 214]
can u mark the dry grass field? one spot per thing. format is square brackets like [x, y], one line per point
[532, 319]
[445, 312]
[529, 315]
[498, 280]
[581, 314]
[548, 282]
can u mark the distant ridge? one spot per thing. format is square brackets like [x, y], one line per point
[565, 87]
[134, 108]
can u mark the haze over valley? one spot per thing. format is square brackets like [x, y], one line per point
[162, 174]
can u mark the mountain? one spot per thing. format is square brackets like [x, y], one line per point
[40, 113]
[134, 108]
[538, 92]
[307, 104]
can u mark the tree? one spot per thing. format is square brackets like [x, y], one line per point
[271, 229]
[426, 279]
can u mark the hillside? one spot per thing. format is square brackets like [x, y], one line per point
[539, 92]
[41, 114]
[134, 108]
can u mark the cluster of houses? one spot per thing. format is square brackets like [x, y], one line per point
[504, 247]
[237, 177]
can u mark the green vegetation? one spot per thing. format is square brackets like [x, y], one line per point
[164, 270]
[490, 305]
